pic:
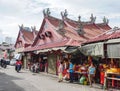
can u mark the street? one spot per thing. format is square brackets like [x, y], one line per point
[10, 80]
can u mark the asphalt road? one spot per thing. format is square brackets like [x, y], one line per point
[10, 80]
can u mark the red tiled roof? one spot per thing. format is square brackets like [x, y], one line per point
[70, 33]
[111, 34]
[70, 26]
[72, 23]
[68, 42]
[90, 29]
[28, 36]
[72, 42]
[54, 21]
[98, 25]
[46, 46]
[104, 26]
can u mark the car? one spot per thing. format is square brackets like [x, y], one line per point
[13, 62]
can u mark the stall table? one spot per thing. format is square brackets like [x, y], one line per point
[112, 80]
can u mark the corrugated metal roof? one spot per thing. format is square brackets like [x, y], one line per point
[111, 34]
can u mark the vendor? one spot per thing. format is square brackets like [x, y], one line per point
[102, 73]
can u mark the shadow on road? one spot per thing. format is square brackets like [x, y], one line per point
[7, 84]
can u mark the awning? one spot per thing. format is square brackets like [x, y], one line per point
[71, 49]
[44, 50]
[59, 48]
[94, 49]
[113, 50]
[50, 49]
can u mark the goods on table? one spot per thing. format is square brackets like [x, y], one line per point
[113, 70]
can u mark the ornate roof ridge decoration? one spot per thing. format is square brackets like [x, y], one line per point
[79, 21]
[21, 27]
[80, 29]
[61, 24]
[46, 12]
[92, 19]
[33, 28]
[24, 28]
[64, 14]
[116, 28]
[60, 28]
[80, 26]
[105, 20]
[79, 18]
[34, 32]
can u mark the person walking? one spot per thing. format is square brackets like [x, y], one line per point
[91, 74]
[60, 71]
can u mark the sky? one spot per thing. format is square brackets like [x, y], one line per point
[29, 13]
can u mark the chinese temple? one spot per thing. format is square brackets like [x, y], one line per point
[55, 35]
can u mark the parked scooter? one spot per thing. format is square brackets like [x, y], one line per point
[3, 63]
[35, 68]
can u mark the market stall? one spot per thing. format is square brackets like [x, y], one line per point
[112, 75]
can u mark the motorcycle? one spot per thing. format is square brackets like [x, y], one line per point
[3, 63]
[18, 67]
[35, 68]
